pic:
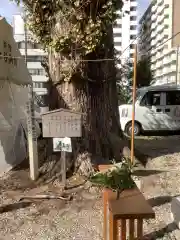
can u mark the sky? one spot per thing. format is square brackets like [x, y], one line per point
[8, 8]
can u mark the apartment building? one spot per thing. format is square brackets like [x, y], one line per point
[35, 56]
[159, 23]
[125, 30]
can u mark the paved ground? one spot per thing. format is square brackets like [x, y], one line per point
[82, 218]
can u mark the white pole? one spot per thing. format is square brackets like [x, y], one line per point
[32, 137]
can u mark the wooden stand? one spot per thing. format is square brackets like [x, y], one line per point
[120, 216]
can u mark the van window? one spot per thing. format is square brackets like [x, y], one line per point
[173, 98]
[151, 99]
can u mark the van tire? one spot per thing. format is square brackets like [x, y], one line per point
[137, 129]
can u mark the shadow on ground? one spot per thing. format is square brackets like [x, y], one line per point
[14, 206]
[161, 233]
[146, 172]
[161, 200]
[158, 146]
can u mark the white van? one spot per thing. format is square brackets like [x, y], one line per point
[157, 108]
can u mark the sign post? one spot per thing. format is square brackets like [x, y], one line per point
[62, 125]
[62, 145]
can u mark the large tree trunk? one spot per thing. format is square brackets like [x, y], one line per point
[96, 98]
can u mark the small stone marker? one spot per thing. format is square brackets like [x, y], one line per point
[175, 210]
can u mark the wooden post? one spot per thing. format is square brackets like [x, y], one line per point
[105, 202]
[133, 105]
[139, 229]
[131, 229]
[113, 230]
[63, 168]
[123, 229]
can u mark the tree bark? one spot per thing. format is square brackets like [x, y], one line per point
[96, 98]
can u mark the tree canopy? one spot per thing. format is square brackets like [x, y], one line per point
[144, 72]
[74, 28]
[125, 77]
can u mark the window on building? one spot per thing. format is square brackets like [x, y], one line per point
[133, 8]
[117, 34]
[126, 12]
[132, 37]
[131, 55]
[118, 25]
[42, 100]
[173, 98]
[33, 71]
[42, 72]
[132, 46]
[117, 44]
[133, 18]
[40, 84]
[36, 71]
[21, 45]
[35, 58]
[133, 27]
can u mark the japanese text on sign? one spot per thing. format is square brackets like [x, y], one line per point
[6, 54]
[62, 144]
[61, 124]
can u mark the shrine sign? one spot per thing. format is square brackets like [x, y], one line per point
[61, 123]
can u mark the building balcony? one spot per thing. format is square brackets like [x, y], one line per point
[153, 25]
[160, 10]
[165, 71]
[118, 21]
[134, 4]
[117, 30]
[153, 18]
[160, 2]
[39, 78]
[33, 52]
[154, 9]
[134, 32]
[168, 61]
[133, 23]
[117, 39]
[34, 65]
[40, 91]
[118, 48]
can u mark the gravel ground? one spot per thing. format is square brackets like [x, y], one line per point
[82, 217]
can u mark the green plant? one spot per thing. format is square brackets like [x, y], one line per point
[117, 178]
